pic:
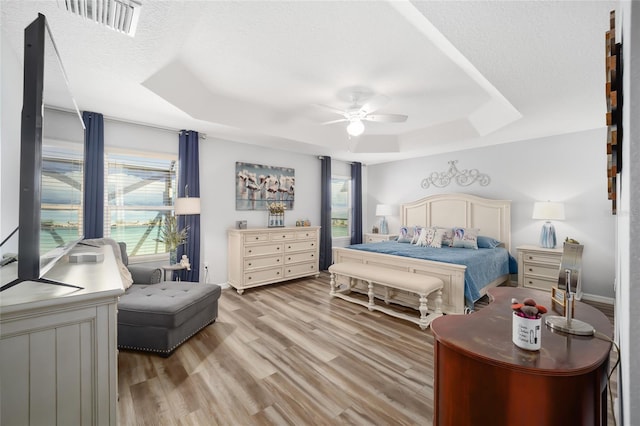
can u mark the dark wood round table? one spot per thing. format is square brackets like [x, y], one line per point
[482, 378]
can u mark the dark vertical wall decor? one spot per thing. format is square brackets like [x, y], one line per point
[326, 257]
[189, 176]
[356, 203]
[93, 175]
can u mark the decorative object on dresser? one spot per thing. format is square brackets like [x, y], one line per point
[276, 215]
[538, 267]
[257, 186]
[376, 238]
[261, 256]
[548, 211]
[383, 210]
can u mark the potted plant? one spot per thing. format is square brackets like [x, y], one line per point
[172, 237]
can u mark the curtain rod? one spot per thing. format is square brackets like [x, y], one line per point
[121, 120]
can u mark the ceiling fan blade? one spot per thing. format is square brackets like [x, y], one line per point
[374, 104]
[340, 120]
[386, 118]
[328, 108]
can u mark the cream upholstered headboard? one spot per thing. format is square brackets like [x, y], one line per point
[492, 217]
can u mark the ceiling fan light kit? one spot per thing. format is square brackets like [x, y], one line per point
[358, 112]
[355, 127]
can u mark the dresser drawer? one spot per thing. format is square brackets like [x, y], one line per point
[299, 269]
[256, 238]
[542, 258]
[544, 270]
[300, 245]
[303, 235]
[539, 283]
[282, 236]
[299, 257]
[262, 276]
[262, 262]
[263, 249]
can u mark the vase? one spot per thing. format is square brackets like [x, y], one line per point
[276, 220]
[173, 256]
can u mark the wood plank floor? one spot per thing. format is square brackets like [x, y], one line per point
[285, 354]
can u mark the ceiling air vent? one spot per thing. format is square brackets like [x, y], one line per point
[119, 15]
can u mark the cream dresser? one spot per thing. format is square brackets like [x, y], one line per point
[538, 267]
[261, 256]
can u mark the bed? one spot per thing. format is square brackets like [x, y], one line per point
[469, 276]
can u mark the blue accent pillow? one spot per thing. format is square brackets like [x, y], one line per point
[487, 242]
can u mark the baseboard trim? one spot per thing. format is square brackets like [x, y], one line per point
[596, 298]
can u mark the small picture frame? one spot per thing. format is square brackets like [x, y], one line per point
[558, 301]
[241, 224]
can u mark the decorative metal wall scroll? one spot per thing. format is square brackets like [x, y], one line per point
[461, 177]
[613, 91]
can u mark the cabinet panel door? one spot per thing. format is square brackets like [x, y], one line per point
[262, 249]
[302, 268]
[262, 276]
[262, 262]
[299, 257]
[300, 245]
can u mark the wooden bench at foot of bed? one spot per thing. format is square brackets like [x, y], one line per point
[422, 285]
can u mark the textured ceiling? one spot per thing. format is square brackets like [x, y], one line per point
[467, 74]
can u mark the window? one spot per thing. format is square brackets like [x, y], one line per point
[61, 195]
[340, 207]
[139, 194]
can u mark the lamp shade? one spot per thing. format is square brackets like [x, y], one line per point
[383, 210]
[547, 210]
[187, 205]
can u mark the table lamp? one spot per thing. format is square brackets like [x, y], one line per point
[383, 210]
[548, 211]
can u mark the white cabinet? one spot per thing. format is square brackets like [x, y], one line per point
[538, 267]
[58, 346]
[261, 256]
[376, 238]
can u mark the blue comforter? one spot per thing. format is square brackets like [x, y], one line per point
[483, 265]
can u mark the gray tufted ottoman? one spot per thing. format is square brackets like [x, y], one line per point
[160, 317]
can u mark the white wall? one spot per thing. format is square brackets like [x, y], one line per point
[217, 191]
[569, 168]
[10, 116]
[628, 230]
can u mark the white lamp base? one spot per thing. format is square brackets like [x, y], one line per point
[548, 235]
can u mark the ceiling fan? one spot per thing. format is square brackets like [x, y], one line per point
[363, 104]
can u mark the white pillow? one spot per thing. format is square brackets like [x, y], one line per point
[465, 238]
[430, 237]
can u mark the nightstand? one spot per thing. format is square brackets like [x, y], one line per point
[376, 238]
[538, 267]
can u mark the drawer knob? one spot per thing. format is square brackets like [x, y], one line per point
[277, 260]
[249, 263]
[530, 257]
[250, 251]
[278, 273]
[278, 248]
[289, 271]
[289, 258]
[284, 236]
[311, 244]
[530, 269]
[249, 278]
[289, 247]
[257, 238]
